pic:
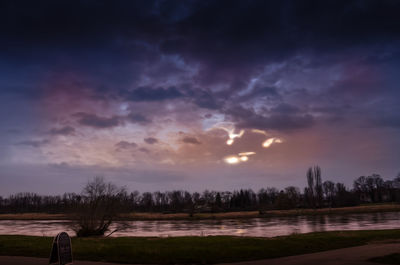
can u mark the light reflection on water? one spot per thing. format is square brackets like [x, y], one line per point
[260, 227]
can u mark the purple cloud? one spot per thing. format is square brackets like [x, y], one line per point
[94, 121]
[190, 140]
[66, 130]
[125, 145]
[150, 140]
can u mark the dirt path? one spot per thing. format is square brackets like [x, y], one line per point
[344, 256]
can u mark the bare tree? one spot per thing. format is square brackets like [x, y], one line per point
[318, 186]
[101, 204]
[314, 191]
[329, 190]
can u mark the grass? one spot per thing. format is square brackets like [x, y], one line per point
[213, 249]
[369, 208]
[33, 216]
[388, 259]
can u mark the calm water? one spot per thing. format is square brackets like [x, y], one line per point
[260, 227]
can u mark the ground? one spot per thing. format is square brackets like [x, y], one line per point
[345, 256]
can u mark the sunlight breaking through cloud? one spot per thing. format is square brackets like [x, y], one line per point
[233, 135]
[267, 143]
[242, 157]
[260, 132]
[247, 153]
[230, 129]
[232, 160]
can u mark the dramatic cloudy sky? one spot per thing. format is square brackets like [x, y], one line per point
[162, 95]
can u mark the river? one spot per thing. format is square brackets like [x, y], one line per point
[258, 227]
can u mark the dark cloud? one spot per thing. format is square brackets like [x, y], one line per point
[238, 36]
[332, 113]
[285, 108]
[66, 130]
[223, 42]
[125, 145]
[205, 99]
[150, 140]
[247, 21]
[34, 143]
[270, 93]
[98, 122]
[247, 118]
[279, 122]
[138, 118]
[190, 140]
[144, 150]
[152, 94]
[88, 24]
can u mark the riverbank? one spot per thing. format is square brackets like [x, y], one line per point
[226, 215]
[215, 249]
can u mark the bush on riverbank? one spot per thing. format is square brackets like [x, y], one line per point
[99, 207]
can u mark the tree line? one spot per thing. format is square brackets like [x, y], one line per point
[317, 194]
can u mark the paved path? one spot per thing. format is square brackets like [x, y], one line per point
[7, 260]
[344, 256]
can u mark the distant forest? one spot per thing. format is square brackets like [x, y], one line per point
[317, 194]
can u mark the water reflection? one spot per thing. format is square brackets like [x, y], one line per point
[260, 227]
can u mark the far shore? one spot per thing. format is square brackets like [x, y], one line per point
[372, 208]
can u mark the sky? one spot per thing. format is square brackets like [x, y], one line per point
[219, 95]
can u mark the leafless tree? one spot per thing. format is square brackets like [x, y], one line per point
[314, 191]
[100, 206]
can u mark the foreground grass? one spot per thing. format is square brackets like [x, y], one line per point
[370, 208]
[213, 249]
[388, 259]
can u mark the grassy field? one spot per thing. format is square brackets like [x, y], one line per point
[214, 249]
[228, 215]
